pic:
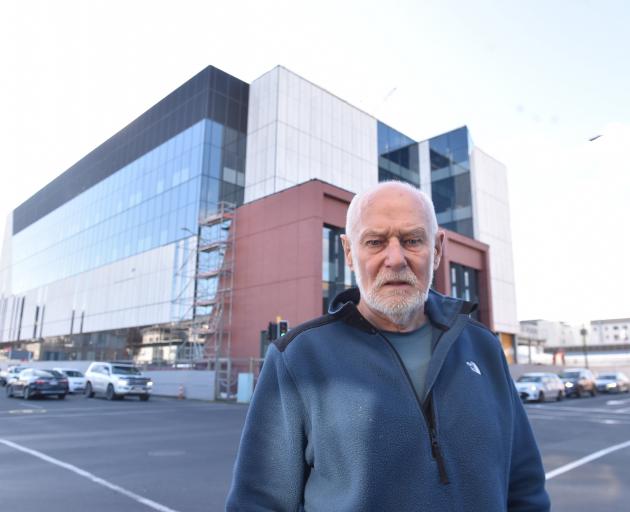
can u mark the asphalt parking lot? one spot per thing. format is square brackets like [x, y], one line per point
[176, 456]
[576, 429]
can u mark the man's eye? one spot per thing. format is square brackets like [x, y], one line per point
[372, 243]
[413, 242]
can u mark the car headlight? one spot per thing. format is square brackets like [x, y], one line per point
[568, 384]
[123, 382]
[611, 385]
[149, 384]
[532, 388]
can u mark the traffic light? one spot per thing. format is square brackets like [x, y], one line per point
[272, 331]
[283, 327]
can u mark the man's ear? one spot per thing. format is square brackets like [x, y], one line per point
[438, 249]
[347, 251]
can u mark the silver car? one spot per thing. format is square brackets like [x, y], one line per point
[540, 387]
[613, 382]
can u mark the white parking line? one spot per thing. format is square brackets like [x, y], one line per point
[618, 402]
[585, 460]
[89, 476]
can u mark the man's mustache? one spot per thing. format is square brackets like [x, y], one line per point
[406, 276]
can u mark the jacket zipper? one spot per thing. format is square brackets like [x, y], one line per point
[436, 452]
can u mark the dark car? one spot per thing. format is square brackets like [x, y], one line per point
[32, 382]
[613, 382]
[578, 382]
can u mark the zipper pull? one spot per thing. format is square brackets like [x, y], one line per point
[437, 455]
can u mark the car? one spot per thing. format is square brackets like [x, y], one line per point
[11, 373]
[578, 382]
[117, 380]
[76, 379]
[539, 387]
[33, 382]
[613, 382]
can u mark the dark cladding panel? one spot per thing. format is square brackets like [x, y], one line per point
[188, 104]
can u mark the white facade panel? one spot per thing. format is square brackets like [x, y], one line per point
[317, 135]
[153, 287]
[491, 224]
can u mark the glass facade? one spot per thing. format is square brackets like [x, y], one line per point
[450, 180]
[336, 275]
[397, 156]
[211, 94]
[150, 185]
[155, 200]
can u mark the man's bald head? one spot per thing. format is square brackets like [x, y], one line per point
[360, 200]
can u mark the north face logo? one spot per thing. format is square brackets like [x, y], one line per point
[473, 366]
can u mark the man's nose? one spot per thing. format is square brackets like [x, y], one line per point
[395, 254]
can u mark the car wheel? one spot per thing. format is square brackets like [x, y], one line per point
[26, 393]
[9, 391]
[89, 393]
[144, 398]
[541, 397]
[560, 396]
[62, 396]
[109, 394]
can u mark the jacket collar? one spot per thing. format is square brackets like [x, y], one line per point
[442, 311]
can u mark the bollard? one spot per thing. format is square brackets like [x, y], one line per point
[180, 393]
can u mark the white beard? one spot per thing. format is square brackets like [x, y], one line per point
[398, 306]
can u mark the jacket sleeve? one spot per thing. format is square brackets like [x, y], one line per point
[526, 491]
[270, 470]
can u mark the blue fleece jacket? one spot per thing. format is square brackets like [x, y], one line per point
[335, 424]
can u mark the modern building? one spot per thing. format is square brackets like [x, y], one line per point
[158, 244]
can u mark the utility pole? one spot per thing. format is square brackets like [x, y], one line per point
[584, 332]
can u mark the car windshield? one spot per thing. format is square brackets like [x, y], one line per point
[609, 376]
[55, 373]
[570, 375]
[529, 378]
[125, 370]
[73, 373]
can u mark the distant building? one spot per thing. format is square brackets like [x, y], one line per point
[611, 333]
[606, 339]
[221, 207]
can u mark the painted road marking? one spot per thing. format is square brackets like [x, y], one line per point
[27, 411]
[618, 402]
[586, 460]
[89, 476]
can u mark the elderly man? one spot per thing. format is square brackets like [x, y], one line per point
[394, 401]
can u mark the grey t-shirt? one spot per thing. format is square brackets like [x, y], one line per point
[414, 348]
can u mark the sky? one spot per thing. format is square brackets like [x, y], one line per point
[533, 81]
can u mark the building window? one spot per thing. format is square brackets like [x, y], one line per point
[464, 284]
[336, 275]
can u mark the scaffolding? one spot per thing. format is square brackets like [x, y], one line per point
[214, 282]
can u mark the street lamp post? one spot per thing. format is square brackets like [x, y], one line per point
[584, 332]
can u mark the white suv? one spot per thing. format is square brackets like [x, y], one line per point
[116, 380]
